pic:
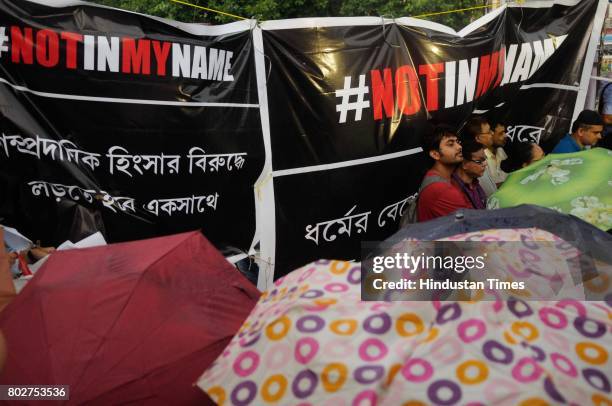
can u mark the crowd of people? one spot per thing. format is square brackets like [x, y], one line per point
[469, 167]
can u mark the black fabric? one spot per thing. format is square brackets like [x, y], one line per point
[583, 235]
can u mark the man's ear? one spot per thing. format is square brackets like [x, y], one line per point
[435, 155]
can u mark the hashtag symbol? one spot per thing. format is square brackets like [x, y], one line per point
[3, 40]
[349, 91]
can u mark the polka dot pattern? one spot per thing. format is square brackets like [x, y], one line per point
[310, 341]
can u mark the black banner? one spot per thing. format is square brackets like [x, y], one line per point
[139, 126]
[346, 95]
[126, 123]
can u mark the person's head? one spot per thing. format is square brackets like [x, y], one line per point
[474, 159]
[442, 146]
[588, 128]
[499, 134]
[478, 129]
[521, 154]
[605, 104]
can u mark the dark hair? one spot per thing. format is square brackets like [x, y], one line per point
[432, 140]
[519, 153]
[585, 119]
[473, 128]
[495, 123]
[469, 147]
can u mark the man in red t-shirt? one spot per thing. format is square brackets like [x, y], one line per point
[440, 196]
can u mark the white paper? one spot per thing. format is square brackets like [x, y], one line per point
[15, 241]
[94, 240]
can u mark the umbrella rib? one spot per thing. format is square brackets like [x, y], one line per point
[158, 369]
[105, 336]
[128, 301]
[46, 337]
[136, 345]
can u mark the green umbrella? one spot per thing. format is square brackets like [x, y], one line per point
[579, 183]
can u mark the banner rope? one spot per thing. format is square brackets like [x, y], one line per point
[460, 10]
[208, 9]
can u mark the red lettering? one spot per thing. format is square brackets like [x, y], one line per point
[47, 48]
[135, 57]
[488, 71]
[382, 93]
[161, 55]
[21, 45]
[407, 90]
[431, 74]
[71, 39]
[501, 66]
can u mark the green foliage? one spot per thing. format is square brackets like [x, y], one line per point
[280, 9]
[413, 8]
[160, 8]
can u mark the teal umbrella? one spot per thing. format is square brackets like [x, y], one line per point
[579, 183]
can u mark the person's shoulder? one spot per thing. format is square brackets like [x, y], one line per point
[441, 185]
[443, 188]
[564, 145]
[432, 189]
[437, 177]
[431, 172]
[607, 92]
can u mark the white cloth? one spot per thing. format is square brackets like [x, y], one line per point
[15, 241]
[487, 184]
[493, 165]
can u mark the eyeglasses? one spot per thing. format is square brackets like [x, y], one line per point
[481, 162]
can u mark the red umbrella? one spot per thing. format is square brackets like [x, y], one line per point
[7, 288]
[129, 322]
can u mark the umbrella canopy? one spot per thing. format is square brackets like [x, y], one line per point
[311, 340]
[581, 234]
[7, 288]
[568, 253]
[579, 183]
[130, 322]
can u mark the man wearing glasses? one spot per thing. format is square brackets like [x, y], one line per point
[479, 130]
[470, 170]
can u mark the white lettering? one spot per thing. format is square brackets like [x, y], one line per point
[215, 65]
[226, 75]
[180, 60]
[523, 63]
[450, 84]
[89, 46]
[198, 69]
[467, 80]
[108, 54]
